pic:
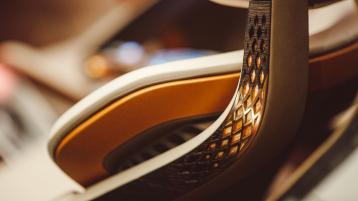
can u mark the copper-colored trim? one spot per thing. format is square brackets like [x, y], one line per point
[80, 154]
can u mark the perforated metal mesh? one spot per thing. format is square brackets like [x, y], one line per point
[233, 137]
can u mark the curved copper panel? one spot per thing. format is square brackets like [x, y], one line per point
[80, 154]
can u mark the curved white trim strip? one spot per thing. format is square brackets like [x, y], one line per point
[152, 164]
[217, 64]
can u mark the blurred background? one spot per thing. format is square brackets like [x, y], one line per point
[55, 52]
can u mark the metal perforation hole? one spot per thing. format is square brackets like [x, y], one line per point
[259, 32]
[247, 131]
[262, 95]
[256, 20]
[254, 45]
[263, 20]
[258, 61]
[236, 138]
[220, 155]
[237, 126]
[225, 143]
[262, 77]
[253, 76]
[239, 112]
[248, 102]
[262, 46]
[249, 60]
[257, 107]
[248, 117]
[212, 146]
[251, 32]
[227, 131]
[255, 92]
